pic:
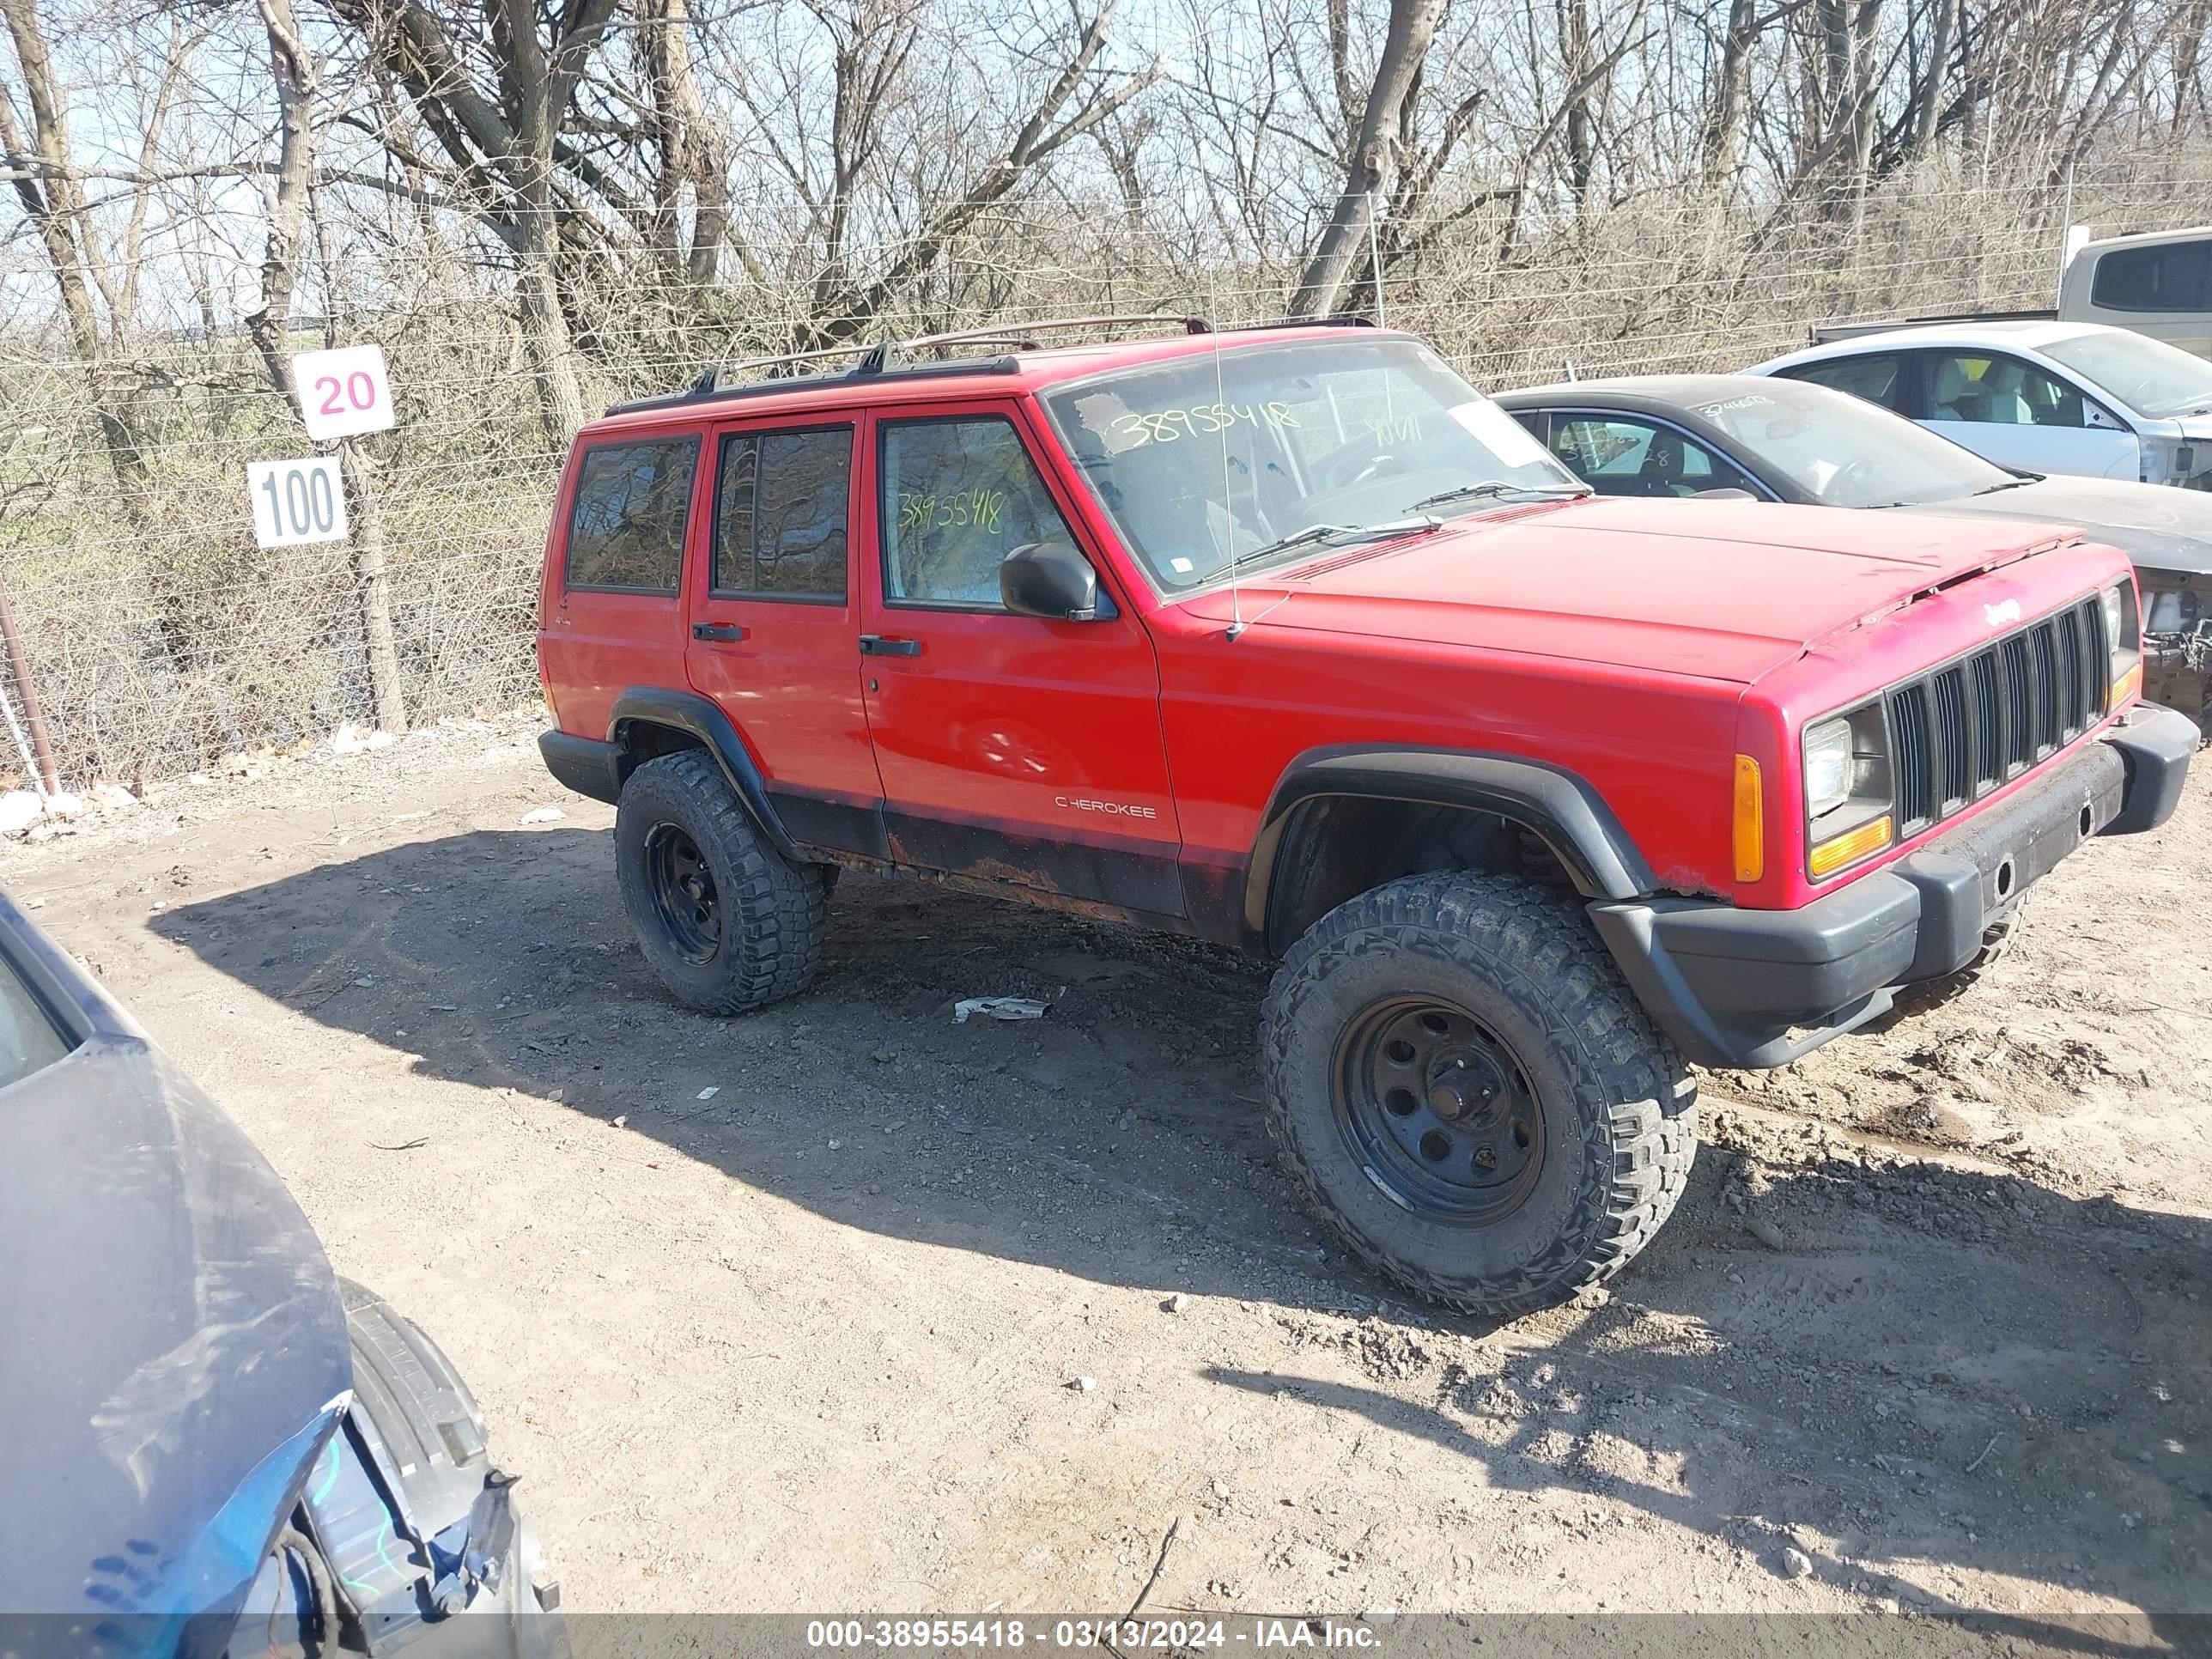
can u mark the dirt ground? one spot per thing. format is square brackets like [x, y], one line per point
[1936, 1312]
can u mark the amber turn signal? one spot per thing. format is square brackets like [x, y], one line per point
[1851, 847]
[2129, 682]
[1750, 821]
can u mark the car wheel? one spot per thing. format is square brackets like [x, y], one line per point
[1471, 1095]
[725, 921]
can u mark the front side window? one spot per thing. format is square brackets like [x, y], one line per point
[1879, 378]
[782, 500]
[1988, 389]
[2171, 278]
[626, 527]
[29, 1040]
[1623, 457]
[957, 497]
[1260, 453]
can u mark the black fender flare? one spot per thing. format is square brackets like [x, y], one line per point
[687, 711]
[1559, 806]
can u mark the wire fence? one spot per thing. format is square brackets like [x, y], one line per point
[159, 637]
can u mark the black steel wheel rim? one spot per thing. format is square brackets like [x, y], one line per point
[683, 893]
[1439, 1111]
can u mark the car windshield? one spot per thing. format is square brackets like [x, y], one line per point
[2147, 375]
[1258, 454]
[1846, 452]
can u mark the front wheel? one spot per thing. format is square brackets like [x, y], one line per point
[1471, 1095]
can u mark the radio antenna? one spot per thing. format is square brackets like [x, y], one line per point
[1221, 420]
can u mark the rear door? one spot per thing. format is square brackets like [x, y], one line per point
[773, 618]
[1010, 747]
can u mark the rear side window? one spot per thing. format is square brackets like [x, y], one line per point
[781, 502]
[626, 529]
[1878, 378]
[2168, 278]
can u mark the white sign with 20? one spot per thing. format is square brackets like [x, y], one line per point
[342, 393]
[295, 502]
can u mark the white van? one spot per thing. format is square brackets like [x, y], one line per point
[2159, 284]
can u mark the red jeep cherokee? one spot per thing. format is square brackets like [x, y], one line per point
[1289, 639]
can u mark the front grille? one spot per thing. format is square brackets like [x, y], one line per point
[1959, 731]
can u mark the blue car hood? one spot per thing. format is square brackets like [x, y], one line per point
[175, 1347]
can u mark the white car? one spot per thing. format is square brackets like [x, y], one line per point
[2039, 396]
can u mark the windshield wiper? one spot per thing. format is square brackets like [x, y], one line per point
[1316, 534]
[1501, 489]
[2012, 484]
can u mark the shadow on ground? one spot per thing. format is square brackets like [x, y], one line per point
[2024, 1368]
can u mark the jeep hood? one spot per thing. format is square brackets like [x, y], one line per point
[1721, 590]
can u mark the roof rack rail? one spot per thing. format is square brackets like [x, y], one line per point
[711, 380]
[1335, 320]
[1018, 335]
[877, 358]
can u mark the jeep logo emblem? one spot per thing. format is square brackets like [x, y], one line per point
[1999, 615]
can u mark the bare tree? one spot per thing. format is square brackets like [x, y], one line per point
[494, 99]
[292, 73]
[49, 188]
[1372, 166]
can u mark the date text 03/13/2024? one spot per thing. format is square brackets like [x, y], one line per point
[948, 1635]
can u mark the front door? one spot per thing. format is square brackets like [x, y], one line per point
[1010, 747]
[2019, 415]
[773, 616]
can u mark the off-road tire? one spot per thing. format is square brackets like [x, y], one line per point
[1618, 1104]
[771, 911]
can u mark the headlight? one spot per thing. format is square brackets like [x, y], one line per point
[1827, 767]
[2123, 634]
[1847, 789]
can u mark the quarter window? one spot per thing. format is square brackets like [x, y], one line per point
[957, 498]
[2171, 277]
[626, 527]
[781, 504]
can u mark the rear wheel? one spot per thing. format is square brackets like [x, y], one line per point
[1471, 1095]
[726, 923]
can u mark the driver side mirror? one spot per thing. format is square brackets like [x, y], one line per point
[1052, 581]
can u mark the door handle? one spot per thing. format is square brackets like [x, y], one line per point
[879, 645]
[717, 631]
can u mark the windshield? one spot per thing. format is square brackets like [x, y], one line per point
[2147, 375]
[1846, 452]
[1222, 455]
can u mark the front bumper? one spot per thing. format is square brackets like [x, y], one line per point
[1760, 987]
